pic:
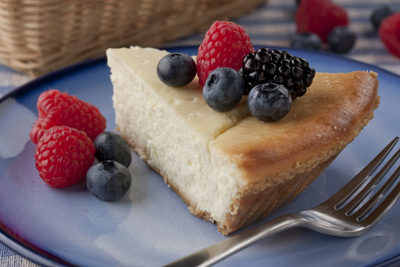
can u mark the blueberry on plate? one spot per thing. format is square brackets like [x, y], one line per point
[379, 14]
[111, 146]
[269, 102]
[176, 69]
[306, 40]
[223, 89]
[108, 180]
[341, 39]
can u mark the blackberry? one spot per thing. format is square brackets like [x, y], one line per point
[275, 66]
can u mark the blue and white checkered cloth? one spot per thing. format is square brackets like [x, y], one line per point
[272, 24]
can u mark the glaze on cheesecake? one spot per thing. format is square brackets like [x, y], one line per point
[229, 168]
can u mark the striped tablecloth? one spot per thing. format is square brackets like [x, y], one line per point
[271, 24]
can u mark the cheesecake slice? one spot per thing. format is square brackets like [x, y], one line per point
[229, 168]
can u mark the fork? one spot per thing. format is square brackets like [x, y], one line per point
[352, 211]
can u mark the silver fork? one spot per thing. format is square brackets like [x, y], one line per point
[352, 211]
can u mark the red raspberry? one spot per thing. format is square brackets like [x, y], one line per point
[63, 156]
[224, 45]
[57, 109]
[319, 17]
[389, 32]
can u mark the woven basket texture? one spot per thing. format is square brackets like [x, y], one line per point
[39, 36]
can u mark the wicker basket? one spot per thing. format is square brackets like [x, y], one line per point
[39, 36]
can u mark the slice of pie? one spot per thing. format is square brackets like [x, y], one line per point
[230, 168]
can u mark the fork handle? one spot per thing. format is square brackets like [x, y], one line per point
[234, 244]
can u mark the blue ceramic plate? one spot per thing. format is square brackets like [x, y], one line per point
[151, 226]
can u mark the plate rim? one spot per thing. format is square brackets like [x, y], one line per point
[29, 251]
[42, 258]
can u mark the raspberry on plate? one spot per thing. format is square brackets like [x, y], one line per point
[320, 17]
[389, 33]
[225, 45]
[56, 109]
[63, 156]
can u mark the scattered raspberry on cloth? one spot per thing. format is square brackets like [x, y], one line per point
[320, 17]
[389, 32]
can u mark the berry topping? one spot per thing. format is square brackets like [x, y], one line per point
[275, 66]
[380, 14]
[269, 102]
[108, 180]
[389, 33]
[341, 39]
[306, 40]
[320, 17]
[56, 109]
[176, 69]
[224, 45]
[223, 89]
[63, 156]
[111, 146]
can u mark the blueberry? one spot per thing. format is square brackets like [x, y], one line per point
[111, 146]
[379, 14]
[269, 102]
[341, 39]
[306, 40]
[108, 180]
[223, 89]
[176, 69]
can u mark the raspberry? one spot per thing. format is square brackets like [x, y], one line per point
[56, 109]
[320, 17]
[224, 45]
[63, 156]
[389, 33]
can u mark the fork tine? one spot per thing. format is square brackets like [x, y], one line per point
[347, 191]
[363, 212]
[360, 196]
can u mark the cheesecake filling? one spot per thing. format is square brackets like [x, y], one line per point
[170, 136]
